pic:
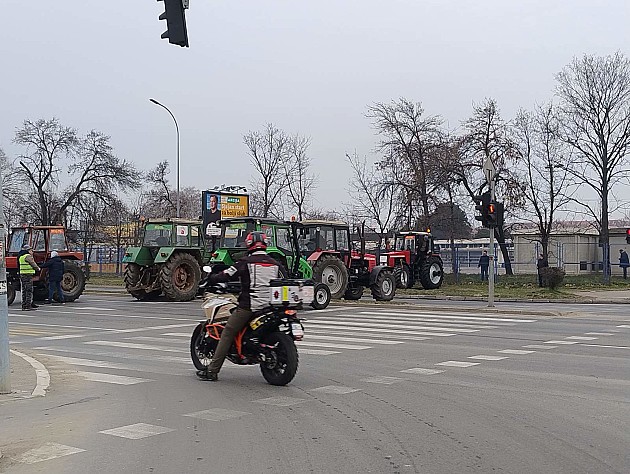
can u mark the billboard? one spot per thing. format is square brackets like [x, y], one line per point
[218, 205]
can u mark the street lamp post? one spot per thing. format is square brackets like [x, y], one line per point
[176, 128]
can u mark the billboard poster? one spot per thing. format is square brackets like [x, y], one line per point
[218, 205]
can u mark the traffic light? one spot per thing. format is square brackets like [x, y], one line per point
[628, 236]
[482, 207]
[175, 21]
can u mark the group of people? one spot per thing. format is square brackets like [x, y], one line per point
[28, 268]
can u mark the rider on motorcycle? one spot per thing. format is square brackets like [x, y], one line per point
[255, 271]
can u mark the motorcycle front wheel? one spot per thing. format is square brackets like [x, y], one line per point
[201, 348]
[282, 366]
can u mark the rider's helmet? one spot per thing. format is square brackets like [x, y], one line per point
[256, 241]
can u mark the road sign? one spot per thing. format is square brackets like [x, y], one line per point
[489, 170]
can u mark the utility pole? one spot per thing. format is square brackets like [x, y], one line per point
[5, 369]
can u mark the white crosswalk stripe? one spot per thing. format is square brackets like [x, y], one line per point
[118, 353]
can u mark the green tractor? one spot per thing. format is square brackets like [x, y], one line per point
[282, 246]
[169, 261]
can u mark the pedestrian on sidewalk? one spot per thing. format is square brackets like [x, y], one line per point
[28, 268]
[540, 264]
[624, 262]
[484, 263]
[55, 267]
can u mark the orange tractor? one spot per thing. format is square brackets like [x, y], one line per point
[43, 240]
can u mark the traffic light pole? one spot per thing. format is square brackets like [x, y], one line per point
[491, 266]
[5, 369]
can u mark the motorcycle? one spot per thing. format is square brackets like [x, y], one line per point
[268, 339]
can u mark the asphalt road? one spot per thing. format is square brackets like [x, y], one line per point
[381, 388]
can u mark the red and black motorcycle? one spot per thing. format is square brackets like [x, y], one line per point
[268, 340]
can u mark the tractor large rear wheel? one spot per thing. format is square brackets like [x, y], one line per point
[73, 281]
[180, 277]
[432, 273]
[331, 271]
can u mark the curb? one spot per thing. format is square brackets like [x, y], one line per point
[43, 376]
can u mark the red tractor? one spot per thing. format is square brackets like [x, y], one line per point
[327, 247]
[416, 258]
[43, 240]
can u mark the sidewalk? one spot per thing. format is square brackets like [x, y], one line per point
[23, 379]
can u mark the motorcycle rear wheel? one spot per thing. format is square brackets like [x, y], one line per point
[281, 369]
[201, 348]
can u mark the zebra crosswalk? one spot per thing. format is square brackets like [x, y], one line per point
[119, 358]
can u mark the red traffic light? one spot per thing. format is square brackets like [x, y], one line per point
[491, 208]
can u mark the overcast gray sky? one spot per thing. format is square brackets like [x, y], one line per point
[310, 67]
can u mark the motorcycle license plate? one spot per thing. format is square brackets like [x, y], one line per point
[297, 330]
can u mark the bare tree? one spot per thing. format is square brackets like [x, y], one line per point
[594, 97]
[545, 167]
[300, 181]
[47, 143]
[487, 136]
[160, 198]
[373, 199]
[268, 151]
[11, 191]
[411, 143]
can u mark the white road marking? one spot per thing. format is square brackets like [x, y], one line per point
[317, 352]
[132, 345]
[383, 379]
[372, 329]
[151, 328]
[62, 336]
[41, 373]
[156, 339]
[624, 326]
[443, 316]
[95, 308]
[331, 345]
[217, 414]
[485, 357]
[47, 452]
[610, 347]
[456, 363]
[116, 355]
[137, 431]
[560, 342]
[330, 310]
[335, 389]
[387, 324]
[582, 338]
[89, 363]
[431, 322]
[515, 351]
[177, 334]
[109, 378]
[351, 339]
[421, 371]
[599, 333]
[336, 331]
[280, 401]
[539, 346]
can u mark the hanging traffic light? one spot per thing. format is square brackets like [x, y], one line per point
[175, 22]
[628, 236]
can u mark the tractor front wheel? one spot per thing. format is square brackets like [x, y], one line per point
[432, 273]
[354, 293]
[384, 288]
[10, 293]
[180, 277]
[406, 277]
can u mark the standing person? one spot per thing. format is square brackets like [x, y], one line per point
[624, 262]
[540, 264]
[56, 268]
[255, 271]
[484, 263]
[28, 268]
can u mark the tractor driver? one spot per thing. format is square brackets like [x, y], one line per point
[255, 271]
